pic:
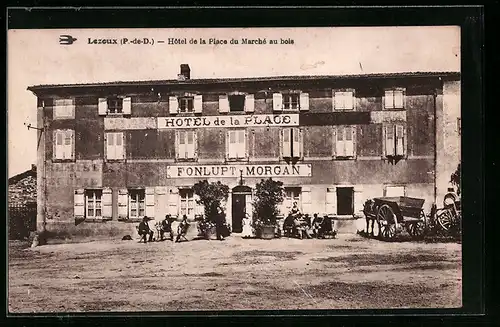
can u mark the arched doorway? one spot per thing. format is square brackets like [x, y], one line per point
[241, 205]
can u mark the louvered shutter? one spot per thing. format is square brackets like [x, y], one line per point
[304, 101]
[79, 204]
[103, 107]
[110, 145]
[223, 103]
[57, 145]
[398, 99]
[246, 143]
[389, 99]
[354, 131]
[178, 145]
[120, 145]
[127, 106]
[334, 142]
[195, 144]
[340, 144]
[349, 100]
[123, 204]
[173, 105]
[107, 204]
[249, 103]
[72, 147]
[150, 202]
[348, 141]
[190, 147]
[297, 135]
[227, 145]
[399, 140]
[198, 103]
[277, 102]
[306, 200]
[173, 199]
[67, 144]
[389, 140]
[358, 200]
[286, 142]
[331, 201]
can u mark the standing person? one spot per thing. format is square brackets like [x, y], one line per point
[145, 231]
[247, 227]
[219, 224]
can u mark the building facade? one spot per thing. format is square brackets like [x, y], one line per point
[123, 150]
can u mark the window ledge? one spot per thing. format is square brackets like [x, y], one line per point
[186, 160]
[346, 158]
[63, 160]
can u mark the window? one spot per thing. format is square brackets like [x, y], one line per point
[292, 194]
[136, 203]
[291, 101]
[237, 103]
[115, 106]
[343, 100]
[391, 190]
[186, 144]
[93, 203]
[292, 143]
[236, 144]
[115, 148]
[64, 108]
[394, 99]
[345, 141]
[63, 144]
[187, 204]
[186, 104]
[395, 140]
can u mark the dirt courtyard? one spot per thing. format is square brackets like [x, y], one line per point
[349, 272]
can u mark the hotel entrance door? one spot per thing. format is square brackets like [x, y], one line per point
[241, 205]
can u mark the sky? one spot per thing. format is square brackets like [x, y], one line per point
[35, 57]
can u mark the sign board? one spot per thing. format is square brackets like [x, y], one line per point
[263, 171]
[229, 121]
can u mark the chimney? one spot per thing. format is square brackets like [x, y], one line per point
[185, 71]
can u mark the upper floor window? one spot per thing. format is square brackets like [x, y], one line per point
[291, 101]
[64, 144]
[115, 146]
[395, 140]
[343, 100]
[344, 140]
[291, 143]
[237, 103]
[64, 108]
[115, 106]
[186, 142]
[394, 99]
[187, 103]
[236, 144]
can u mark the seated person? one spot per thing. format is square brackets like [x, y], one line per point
[166, 227]
[145, 231]
[182, 228]
[295, 210]
[299, 228]
[316, 225]
[288, 225]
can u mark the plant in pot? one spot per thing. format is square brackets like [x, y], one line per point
[268, 195]
[210, 195]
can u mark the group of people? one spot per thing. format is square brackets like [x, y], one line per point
[302, 226]
[164, 227]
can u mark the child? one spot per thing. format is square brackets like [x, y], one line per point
[247, 227]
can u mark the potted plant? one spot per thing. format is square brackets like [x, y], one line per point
[268, 195]
[210, 195]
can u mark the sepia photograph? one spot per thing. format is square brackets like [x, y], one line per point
[213, 169]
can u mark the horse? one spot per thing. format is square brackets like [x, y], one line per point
[370, 215]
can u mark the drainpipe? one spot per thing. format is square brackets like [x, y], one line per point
[435, 143]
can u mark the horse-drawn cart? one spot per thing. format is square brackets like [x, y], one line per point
[392, 214]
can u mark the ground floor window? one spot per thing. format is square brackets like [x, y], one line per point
[292, 194]
[136, 203]
[394, 190]
[345, 200]
[187, 203]
[93, 203]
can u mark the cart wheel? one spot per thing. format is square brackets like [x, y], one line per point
[416, 230]
[445, 219]
[386, 220]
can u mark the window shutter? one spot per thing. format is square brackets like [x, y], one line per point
[349, 100]
[103, 106]
[249, 103]
[227, 145]
[277, 102]
[331, 201]
[198, 103]
[173, 198]
[107, 204]
[334, 142]
[190, 144]
[120, 145]
[55, 147]
[304, 101]
[405, 141]
[195, 143]
[177, 144]
[72, 145]
[286, 143]
[150, 202]
[173, 105]
[399, 140]
[110, 145]
[79, 203]
[246, 143]
[398, 99]
[280, 144]
[127, 106]
[340, 143]
[338, 100]
[123, 204]
[306, 200]
[389, 140]
[389, 100]
[358, 200]
[296, 142]
[348, 141]
[354, 140]
[223, 103]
